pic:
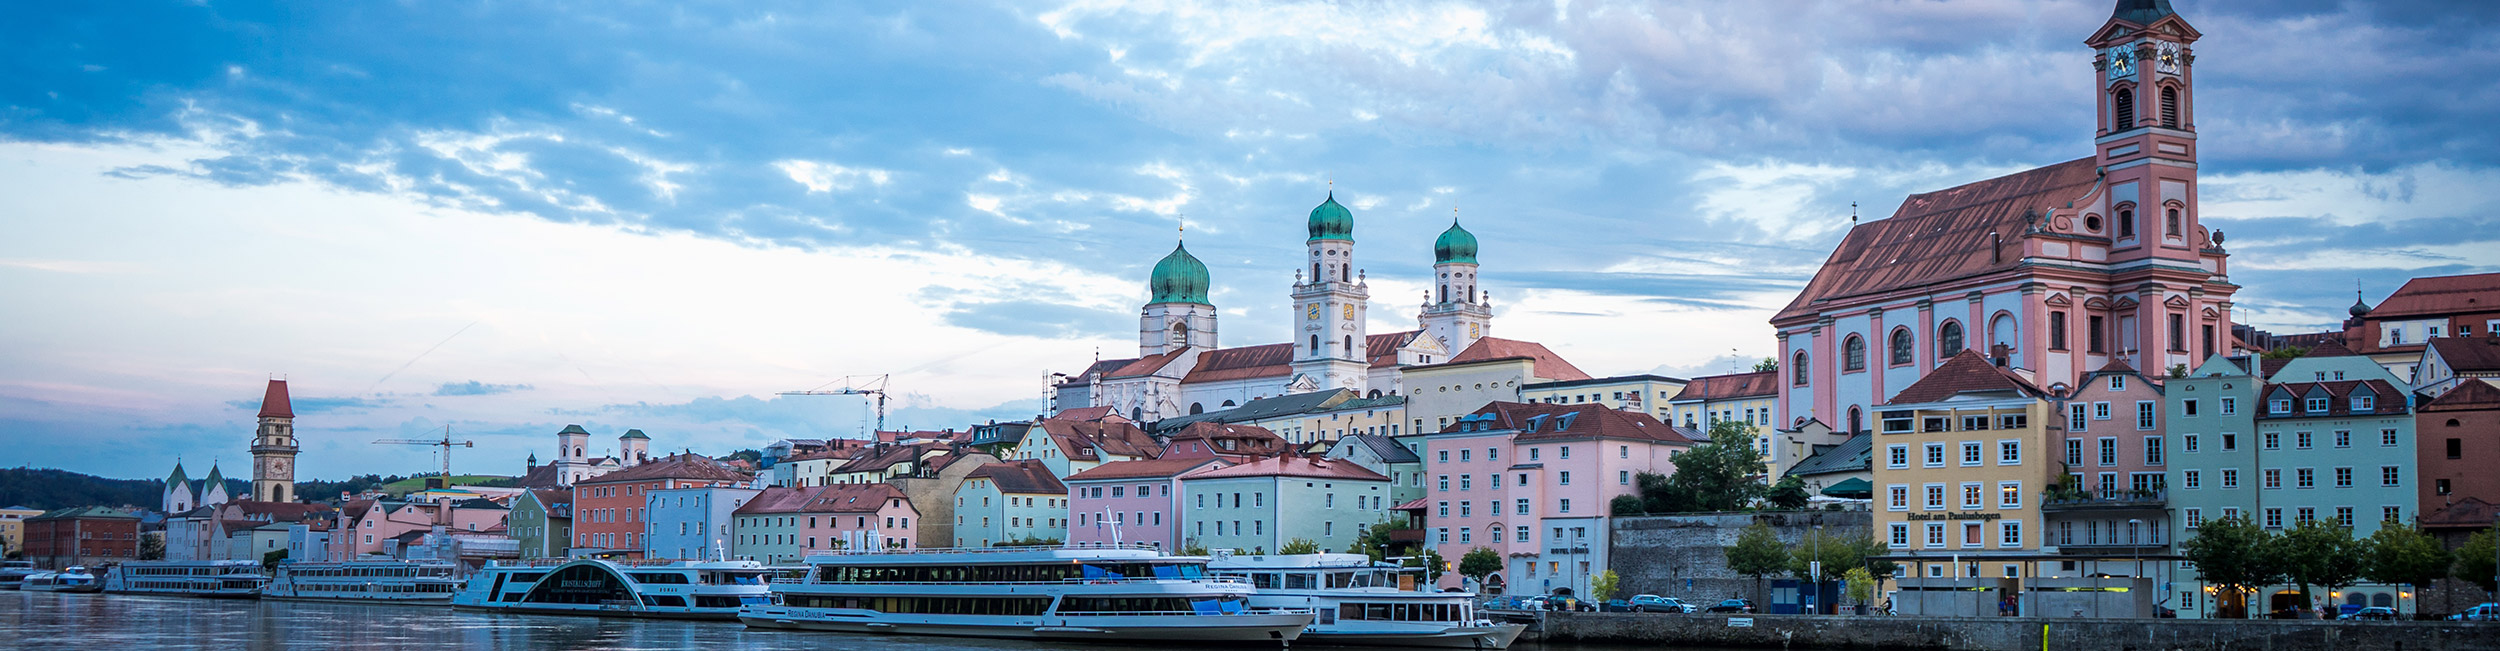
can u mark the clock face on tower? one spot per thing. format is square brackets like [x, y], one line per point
[1314, 312]
[1349, 313]
[277, 466]
[2168, 58]
[2121, 62]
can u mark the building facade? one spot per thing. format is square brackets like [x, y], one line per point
[1261, 505]
[274, 447]
[89, 535]
[541, 522]
[1959, 469]
[1130, 502]
[1533, 483]
[610, 510]
[691, 523]
[1003, 503]
[1642, 393]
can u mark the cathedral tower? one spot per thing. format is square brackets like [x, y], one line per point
[633, 447]
[274, 448]
[2146, 150]
[1330, 348]
[1455, 315]
[572, 455]
[1177, 313]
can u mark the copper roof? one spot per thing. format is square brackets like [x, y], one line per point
[2465, 355]
[1964, 373]
[2442, 295]
[2470, 395]
[1942, 236]
[1545, 364]
[1144, 468]
[1025, 477]
[1293, 466]
[1761, 384]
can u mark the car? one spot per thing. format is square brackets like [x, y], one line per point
[1650, 603]
[1733, 606]
[2487, 612]
[2372, 612]
[1532, 603]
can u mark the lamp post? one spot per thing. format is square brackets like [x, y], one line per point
[2135, 547]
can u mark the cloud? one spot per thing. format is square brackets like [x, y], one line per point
[476, 388]
[319, 405]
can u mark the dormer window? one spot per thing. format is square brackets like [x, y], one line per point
[2364, 403]
[1535, 422]
[2281, 406]
[2117, 383]
[1564, 422]
[2317, 404]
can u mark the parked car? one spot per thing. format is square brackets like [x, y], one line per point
[1650, 603]
[2488, 612]
[1733, 606]
[2372, 612]
[1532, 603]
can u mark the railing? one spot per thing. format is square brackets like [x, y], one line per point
[1406, 535]
[2107, 498]
[980, 550]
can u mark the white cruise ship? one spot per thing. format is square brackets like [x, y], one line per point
[1104, 595]
[1358, 602]
[217, 579]
[373, 581]
[68, 579]
[13, 573]
[618, 588]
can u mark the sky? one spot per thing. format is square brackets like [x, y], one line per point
[504, 217]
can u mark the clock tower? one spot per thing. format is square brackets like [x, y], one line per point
[1330, 348]
[2145, 147]
[274, 447]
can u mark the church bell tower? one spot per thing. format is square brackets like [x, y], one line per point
[274, 447]
[1330, 307]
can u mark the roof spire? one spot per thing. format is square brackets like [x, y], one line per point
[1853, 212]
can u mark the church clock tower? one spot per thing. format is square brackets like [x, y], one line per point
[2146, 150]
[1330, 348]
[274, 448]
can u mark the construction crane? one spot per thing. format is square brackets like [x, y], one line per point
[445, 443]
[852, 386]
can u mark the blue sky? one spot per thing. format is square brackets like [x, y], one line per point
[657, 215]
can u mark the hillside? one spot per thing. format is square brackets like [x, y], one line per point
[413, 484]
[47, 488]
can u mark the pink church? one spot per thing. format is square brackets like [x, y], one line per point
[2058, 270]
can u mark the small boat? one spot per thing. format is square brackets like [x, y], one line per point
[618, 588]
[73, 579]
[212, 579]
[13, 573]
[1098, 595]
[1361, 602]
[370, 581]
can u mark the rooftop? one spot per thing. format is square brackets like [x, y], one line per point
[1942, 236]
[1966, 373]
[1292, 466]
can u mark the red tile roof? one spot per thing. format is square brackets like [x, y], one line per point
[1079, 439]
[1545, 363]
[1276, 360]
[1027, 477]
[1964, 373]
[1734, 385]
[2469, 354]
[2388, 400]
[1942, 236]
[274, 403]
[1382, 349]
[1537, 421]
[2470, 395]
[1097, 412]
[1219, 438]
[850, 498]
[778, 499]
[2441, 295]
[675, 466]
[1144, 365]
[2329, 348]
[1293, 466]
[1144, 469]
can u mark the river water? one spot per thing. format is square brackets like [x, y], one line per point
[63, 622]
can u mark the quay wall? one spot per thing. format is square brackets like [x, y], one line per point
[1684, 555]
[2012, 633]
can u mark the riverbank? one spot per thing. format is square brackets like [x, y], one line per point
[2007, 633]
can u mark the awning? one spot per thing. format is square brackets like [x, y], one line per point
[1854, 488]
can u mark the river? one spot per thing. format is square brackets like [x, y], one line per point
[63, 622]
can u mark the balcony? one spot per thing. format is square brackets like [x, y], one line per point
[2107, 499]
[1406, 536]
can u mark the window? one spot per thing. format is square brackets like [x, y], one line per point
[1797, 368]
[2387, 438]
[2230, 441]
[2456, 447]
[1935, 455]
[2074, 452]
[1972, 453]
[2012, 533]
[1563, 451]
[1900, 534]
[1523, 506]
[2274, 517]
[2144, 412]
[1903, 351]
[2152, 451]
[1445, 483]
[1949, 339]
[1853, 354]
[2178, 322]
[1445, 456]
[2126, 217]
[2230, 478]
[2100, 411]
[2010, 495]
[1897, 456]
[2057, 330]
[1468, 482]
[2305, 515]
[2170, 120]
[2075, 418]
[2305, 477]
[2230, 406]
[2391, 514]
[2274, 440]
[1445, 509]
[1564, 476]
[2364, 403]
[1935, 497]
[2390, 476]
[1465, 456]
[1935, 534]
[1973, 495]
[2274, 478]
[2109, 451]
[2009, 453]
[1563, 506]
[1466, 509]
[1622, 477]
[2343, 478]
[2096, 333]
[2192, 479]
[1900, 497]
[2188, 442]
[2280, 406]
[2316, 405]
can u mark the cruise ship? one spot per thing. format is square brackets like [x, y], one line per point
[618, 588]
[13, 573]
[428, 582]
[1108, 595]
[1359, 602]
[68, 579]
[215, 579]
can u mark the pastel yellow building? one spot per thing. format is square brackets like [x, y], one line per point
[1960, 458]
[13, 527]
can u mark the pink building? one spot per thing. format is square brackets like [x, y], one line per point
[1532, 482]
[782, 525]
[1130, 501]
[2063, 268]
[368, 526]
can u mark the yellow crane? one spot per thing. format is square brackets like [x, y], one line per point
[445, 443]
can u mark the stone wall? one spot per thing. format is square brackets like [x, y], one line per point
[1683, 555]
[2008, 633]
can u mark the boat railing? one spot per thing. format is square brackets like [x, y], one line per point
[1182, 613]
[918, 551]
[1217, 580]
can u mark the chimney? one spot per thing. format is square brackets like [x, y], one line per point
[1998, 353]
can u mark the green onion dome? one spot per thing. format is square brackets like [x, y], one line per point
[1331, 221]
[1455, 245]
[1179, 278]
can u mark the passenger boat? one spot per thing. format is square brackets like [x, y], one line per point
[372, 581]
[13, 573]
[618, 588]
[1357, 601]
[68, 579]
[214, 579]
[1104, 595]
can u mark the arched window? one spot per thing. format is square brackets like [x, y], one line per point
[1797, 368]
[1853, 353]
[1948, 339]
[1137, 414]
[2122, 109]
[1903, 344]
[1228, 404]
[2171, 220]
[1314, 272]
[1180, 333]
[2001, 332]
[2170, 107]
[1857, 419]
[1375, 394]
[2126, 223]
[1445, 292]
[1314, 344]
[1195, 409]
[1345, 271]
[1349, 346]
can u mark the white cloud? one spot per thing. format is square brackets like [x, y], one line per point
[822, 177]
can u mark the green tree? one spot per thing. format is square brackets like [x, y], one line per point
[1717, 475]
[1431, 562]
[1479, 563]
[1837, 554]
[1768, 364]
[2403, 554]
[152, 547]
[1627, 505]
[1790, 493]
[271, 560]
[1602, 586]
[2319, 553]
[1757, 553]
[2231, 554]
[1192, 548]
[1374, 541]
[1298, 546]
[2475, 563]
[2286, 352]
[1861, 585]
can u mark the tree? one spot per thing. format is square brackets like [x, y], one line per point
[2286, 352]
[2475, 563]
[152, 547]
[2178, 370]
[1298, 546]
[1768, 364]
[1789, 493]
[1717, 475]
[2319, 553]
[1374, 541]
[271, 560]
[2231, 554]
[1861, 585]
[1479, 563]
[1192, 548]
[2403, 554]
[1757, 553]
[1431, 562]
[1603, 586]
[1627, 505]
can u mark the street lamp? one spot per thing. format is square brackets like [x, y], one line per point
[2135, 546]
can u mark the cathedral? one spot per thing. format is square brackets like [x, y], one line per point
[1182, 369]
